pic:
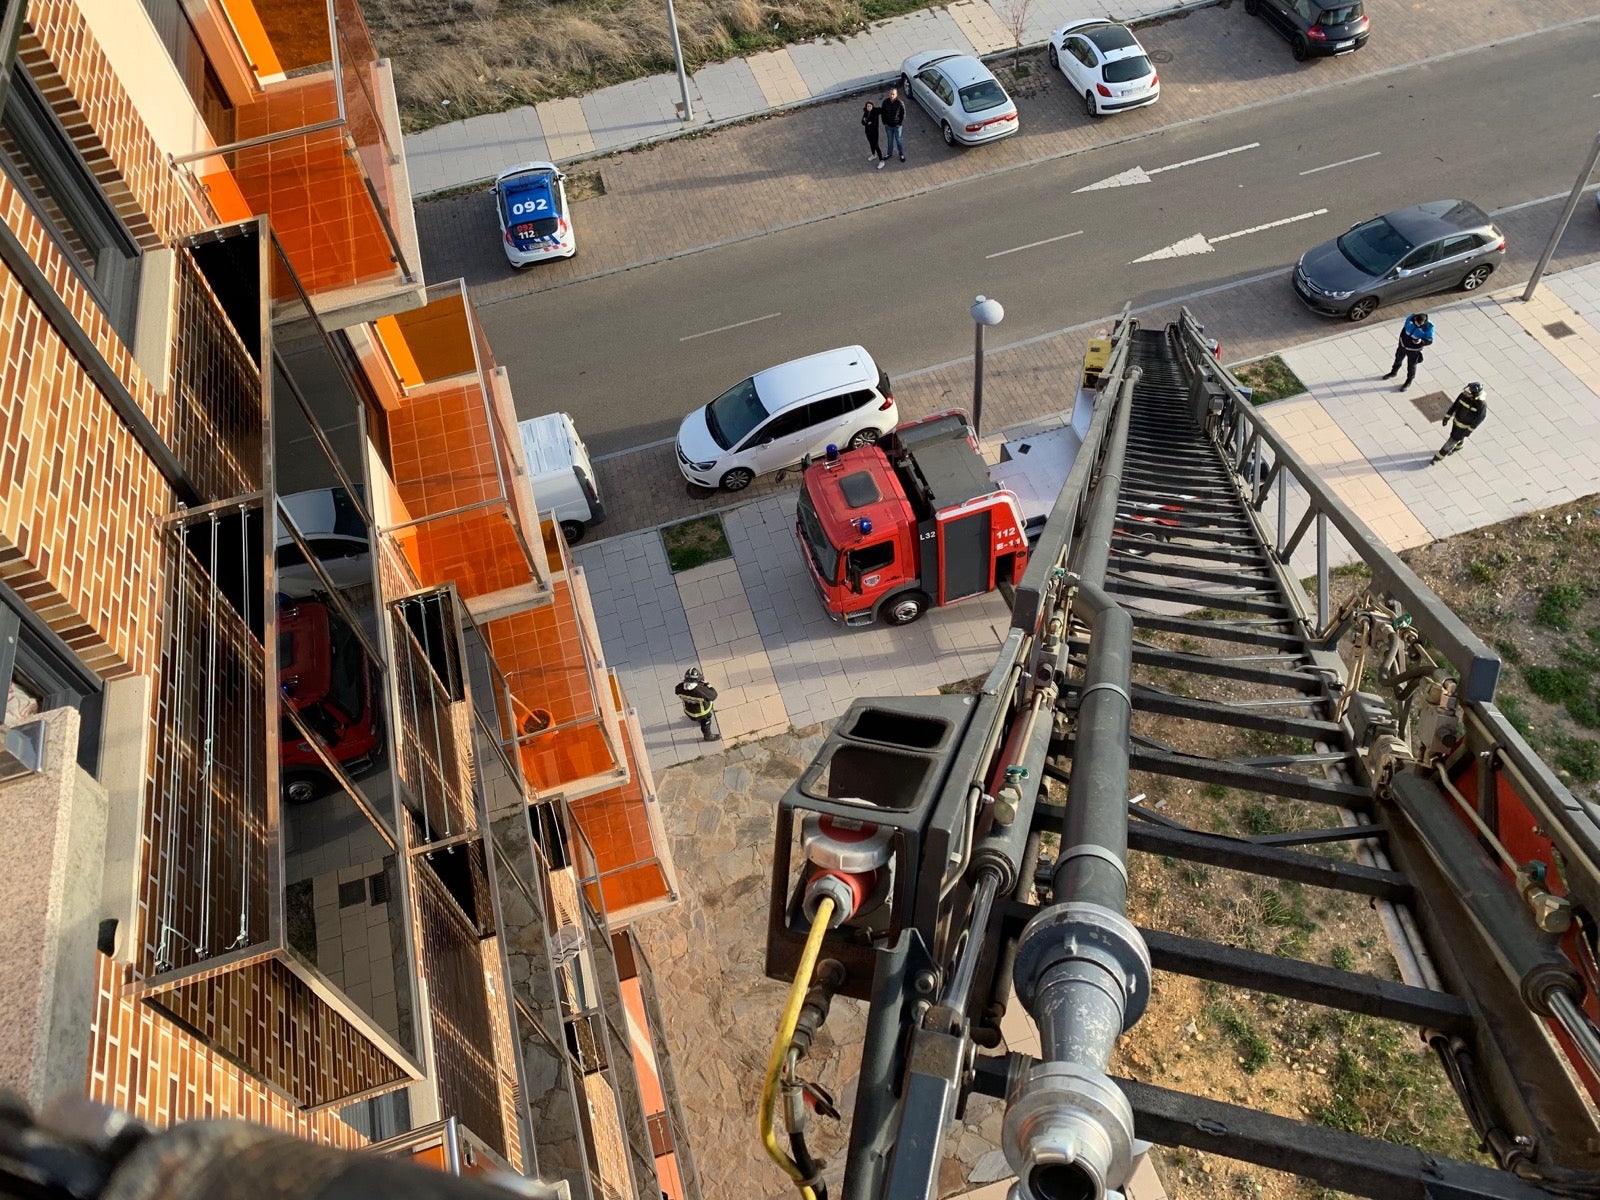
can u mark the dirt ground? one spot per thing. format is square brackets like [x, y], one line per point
[1529, 588]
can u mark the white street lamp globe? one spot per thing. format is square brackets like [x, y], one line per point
[987, 312]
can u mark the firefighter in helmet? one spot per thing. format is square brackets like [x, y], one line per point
[697, 696]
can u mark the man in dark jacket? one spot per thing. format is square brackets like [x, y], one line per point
[894, 116]
[1467, 412]
[1415, 335]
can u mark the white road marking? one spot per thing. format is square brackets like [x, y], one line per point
[1199, 243]
[1343, 162]
[725, 328]
[1058, 238]
[1140, 175]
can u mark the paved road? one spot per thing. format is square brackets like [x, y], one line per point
[637, 349]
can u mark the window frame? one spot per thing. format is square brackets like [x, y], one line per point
[31, 649]
[71, 187]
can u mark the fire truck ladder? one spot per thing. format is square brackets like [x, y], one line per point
[1162, 618]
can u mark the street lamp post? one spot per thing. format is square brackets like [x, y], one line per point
[1561, 221]
[686, 109]
[984, 312]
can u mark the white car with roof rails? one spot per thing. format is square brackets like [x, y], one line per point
[784, 415]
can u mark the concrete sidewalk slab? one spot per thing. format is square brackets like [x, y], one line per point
[778, 78]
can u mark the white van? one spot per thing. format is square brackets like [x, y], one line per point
[780, 416]
[562, 475]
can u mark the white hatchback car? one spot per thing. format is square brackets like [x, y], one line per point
[1106, 65]
[962, 96]
[531, 202]
[779, 417]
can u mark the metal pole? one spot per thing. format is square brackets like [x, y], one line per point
[977, 379]
[687, 108]
[1561, 222]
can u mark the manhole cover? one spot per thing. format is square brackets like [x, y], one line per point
[1432, 405]
[1161, 56]
[1559, 329]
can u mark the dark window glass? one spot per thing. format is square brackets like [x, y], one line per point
[1462, 243]
[1375, 246]
[1126, 70]
[871, 558]
[44, 165]
[1342, 14]
[39, 673]
[189, 57]
[981, 96]
[785, 424]
[1421, 257]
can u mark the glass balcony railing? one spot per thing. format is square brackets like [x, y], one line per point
[463, 510]
[319, 151]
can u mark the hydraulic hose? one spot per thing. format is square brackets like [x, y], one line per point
[780, 1049]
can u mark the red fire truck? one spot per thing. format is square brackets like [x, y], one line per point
[891, 530]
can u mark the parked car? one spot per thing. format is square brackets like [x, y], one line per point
[326, 677]
[531, 202]
[781, 416]
[333, 529]
[962, 96]
[1415, 251]
[1316, 28]
[1106, 65]
[561, 474]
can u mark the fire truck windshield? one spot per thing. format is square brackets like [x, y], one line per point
[823, 555]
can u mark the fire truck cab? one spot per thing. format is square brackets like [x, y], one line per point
[891, 530]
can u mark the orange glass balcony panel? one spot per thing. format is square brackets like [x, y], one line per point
[297, 30]
[552, 760]
[477, 550]
[319, 205]
[616, 825]
[540, 653]
[436, 340]
[441, 451]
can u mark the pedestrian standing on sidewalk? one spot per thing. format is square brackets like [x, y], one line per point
[869, 121]
[894, 116]
[697, 696]
[1467, 412]
[1415, 336]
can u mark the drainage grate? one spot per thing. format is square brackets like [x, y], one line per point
[1559, 329]
[1432, 405]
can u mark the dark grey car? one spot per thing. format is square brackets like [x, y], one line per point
[1415, 251]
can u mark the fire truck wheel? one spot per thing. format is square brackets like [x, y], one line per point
[904, 608]
[864, 437]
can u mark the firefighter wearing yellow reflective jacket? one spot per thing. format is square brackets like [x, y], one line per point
[1464, 415]
[697, 696]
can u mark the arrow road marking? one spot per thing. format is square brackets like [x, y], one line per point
[1140, 175]
[1199, 243]
[1344, 162]
[724, 328]
[1058, 238]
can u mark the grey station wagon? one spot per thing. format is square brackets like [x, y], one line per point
[1415, 251]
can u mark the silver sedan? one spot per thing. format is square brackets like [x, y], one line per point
[962, 96]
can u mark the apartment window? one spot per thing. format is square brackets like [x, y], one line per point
[39, 673]
[44, 165]
[178, 35]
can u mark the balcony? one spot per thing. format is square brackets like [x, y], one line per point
[631, 873]
[462, 508]
[317, 149]
[272, 917]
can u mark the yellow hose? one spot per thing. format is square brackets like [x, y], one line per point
[780, 1048]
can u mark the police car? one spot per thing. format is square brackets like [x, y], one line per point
[532, 206]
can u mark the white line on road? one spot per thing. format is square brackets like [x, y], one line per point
[1139, 175]
[1305, 216]
[1343, 162]
[724, 328]
[1031, 245]
[1199, 243]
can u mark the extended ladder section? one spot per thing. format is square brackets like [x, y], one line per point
[1183, 756]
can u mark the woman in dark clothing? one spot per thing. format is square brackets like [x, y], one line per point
[869, 122]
